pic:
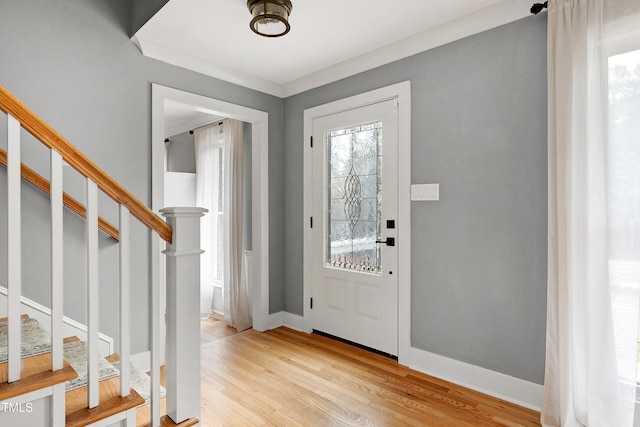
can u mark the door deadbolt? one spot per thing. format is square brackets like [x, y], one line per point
[390, 241]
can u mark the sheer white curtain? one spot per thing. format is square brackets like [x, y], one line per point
[588, 380]
[208, 162]
[236, 300]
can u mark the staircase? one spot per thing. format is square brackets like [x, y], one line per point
[47, 379]
[36, 360]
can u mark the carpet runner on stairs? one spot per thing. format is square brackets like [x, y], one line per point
[76, 354]
[36, 341]
[141, 382]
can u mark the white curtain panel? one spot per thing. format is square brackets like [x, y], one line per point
[236, 297]
[207, 144]
[591, 350]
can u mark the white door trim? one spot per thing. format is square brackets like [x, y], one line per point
[401, 91]
[260, 182]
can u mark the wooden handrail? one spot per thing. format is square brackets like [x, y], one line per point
[76, 159]
[45, 186]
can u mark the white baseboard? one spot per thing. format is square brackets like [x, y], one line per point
[294, 321]
[43, 315]
[275, 320]
[282, 318]
[505, 387]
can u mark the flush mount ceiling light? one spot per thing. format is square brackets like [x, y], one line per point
[270, 18]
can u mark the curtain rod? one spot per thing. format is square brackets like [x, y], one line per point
[219, 124]
[537, 7]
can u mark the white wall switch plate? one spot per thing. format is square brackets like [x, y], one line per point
[425, 192]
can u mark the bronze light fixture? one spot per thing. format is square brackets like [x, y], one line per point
[270, 18]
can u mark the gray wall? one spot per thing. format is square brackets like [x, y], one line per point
[181, 153]
[479, 254]
[71, 61]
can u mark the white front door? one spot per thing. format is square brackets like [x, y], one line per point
[354, 234]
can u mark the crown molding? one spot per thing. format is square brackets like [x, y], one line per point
[485, 19]
[155, 50]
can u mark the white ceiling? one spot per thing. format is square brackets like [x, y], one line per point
[329, 39]
[179, 118]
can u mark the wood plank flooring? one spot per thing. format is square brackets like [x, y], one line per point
[286, 378]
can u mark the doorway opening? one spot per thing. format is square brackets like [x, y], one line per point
[200, 172]
[256, 124]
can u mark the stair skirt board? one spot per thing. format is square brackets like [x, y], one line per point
[35, 340]
[43, 315]
[141, 382]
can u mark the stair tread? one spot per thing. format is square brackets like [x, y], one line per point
[143, 417]
[34, 339]
[36, 374]
[143, 414]
[67, 340]
[111, 403]
[75, 352]
[22, 316]
[140, 381]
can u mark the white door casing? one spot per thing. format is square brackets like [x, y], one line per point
[361, 295]
[260, 184]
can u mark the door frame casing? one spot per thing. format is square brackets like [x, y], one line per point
[260, 184]
[401, 92]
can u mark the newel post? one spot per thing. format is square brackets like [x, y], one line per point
[183, 313]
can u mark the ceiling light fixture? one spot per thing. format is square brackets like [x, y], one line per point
[270, 17]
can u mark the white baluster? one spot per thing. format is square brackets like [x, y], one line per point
[157, 321]
[57, 406]
[183, 313]
[130, 420]
[125, 258]
[57, 287]
[14, 260]
[93, 391]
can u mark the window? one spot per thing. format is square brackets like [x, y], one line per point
[623, 195]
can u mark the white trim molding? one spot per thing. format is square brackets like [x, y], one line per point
[293, 321]
[276, 320]
[496, 384]
[288, 320]
[485, 19]
[401, 92]
[153, 49]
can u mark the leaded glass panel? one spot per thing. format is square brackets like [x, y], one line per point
[354, 197]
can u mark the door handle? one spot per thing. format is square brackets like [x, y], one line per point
[390, 241]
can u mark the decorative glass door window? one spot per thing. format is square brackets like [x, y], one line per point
[354, 197]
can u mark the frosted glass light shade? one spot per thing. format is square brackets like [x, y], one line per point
[270, 18]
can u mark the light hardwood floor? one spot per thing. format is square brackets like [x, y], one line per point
[286, 378]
